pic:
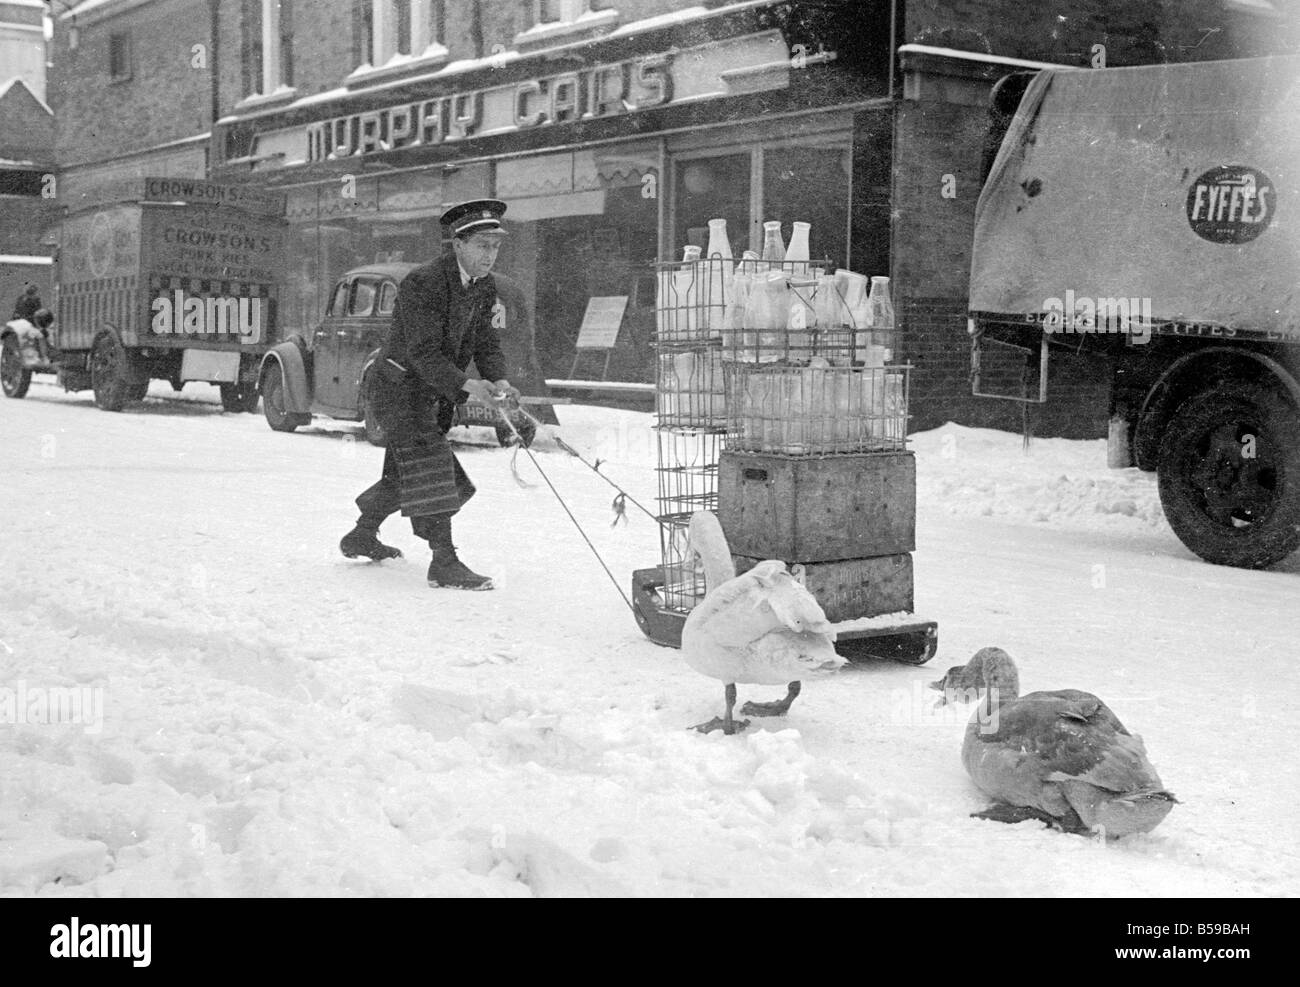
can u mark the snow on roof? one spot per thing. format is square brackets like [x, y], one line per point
[461, 65]
[100, 8]
[1254, 7]
[978, 56]
[660, 20]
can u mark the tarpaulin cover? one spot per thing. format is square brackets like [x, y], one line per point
[1104, 174]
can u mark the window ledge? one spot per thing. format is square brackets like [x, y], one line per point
[435, 56]
[282, 95]
[589, 23]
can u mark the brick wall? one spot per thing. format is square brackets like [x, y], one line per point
[165, 99]
[1134, 32]
[22, 223]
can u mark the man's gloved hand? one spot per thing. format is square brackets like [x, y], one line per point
[508, 390]
[483, 390]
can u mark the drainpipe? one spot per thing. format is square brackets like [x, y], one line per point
[214, 81]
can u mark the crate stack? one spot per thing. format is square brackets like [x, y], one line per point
[815, 470]
[782, 412]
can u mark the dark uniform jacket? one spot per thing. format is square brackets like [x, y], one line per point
[27, 306]
[438, 328]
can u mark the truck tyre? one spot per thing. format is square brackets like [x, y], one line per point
[1229, 475]
[239, 397]
[114, 375]
[14, 377]
[273, 407]
[139, 387]
[374, 431]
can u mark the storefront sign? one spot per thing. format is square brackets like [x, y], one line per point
[602, 91]
[600, 324]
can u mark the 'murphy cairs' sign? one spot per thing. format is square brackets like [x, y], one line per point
[603, 91]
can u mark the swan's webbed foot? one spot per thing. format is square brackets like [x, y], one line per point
[727, 726]
[778, 708]
[726, 723]
[1001, 812]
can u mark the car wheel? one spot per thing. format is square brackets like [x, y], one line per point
[273, 403]
[114, 375]
[14, 377]
[1229, 475]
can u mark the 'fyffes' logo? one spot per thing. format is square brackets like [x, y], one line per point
[1231, 204]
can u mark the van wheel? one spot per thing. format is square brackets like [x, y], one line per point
[239, 397]
[1229, 476]
[14, 377]
[115, 376]
[273, 407]
[374, 431]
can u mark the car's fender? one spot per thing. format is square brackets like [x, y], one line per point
[297, 388]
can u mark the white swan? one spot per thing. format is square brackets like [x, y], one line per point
[1062, 757]
[761, 627]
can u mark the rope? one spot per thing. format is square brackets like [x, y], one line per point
[623, 496]
[511, 425]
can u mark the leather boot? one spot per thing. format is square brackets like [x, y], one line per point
[365, 541]
[446, 569]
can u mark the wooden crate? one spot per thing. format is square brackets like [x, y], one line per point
[817, 508]
[855, 588]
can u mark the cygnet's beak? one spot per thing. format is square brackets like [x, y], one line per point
[940, 686]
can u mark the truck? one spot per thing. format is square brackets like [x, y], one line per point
[1150, 217]
[160, 278]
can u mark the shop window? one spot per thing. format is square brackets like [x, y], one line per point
[805, 182]
[810, 185]
[119, 57]
[713, 187]
[266, 49]
[362, 301]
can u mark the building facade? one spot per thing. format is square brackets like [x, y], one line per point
[615, 130]
[22, 44]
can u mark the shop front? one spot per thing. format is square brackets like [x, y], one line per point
[611, 154]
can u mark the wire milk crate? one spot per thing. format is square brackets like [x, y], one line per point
[690, 407]
[815, 408]
[688, 482]
[809, 365]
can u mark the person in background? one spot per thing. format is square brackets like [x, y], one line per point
[442, 321]
[28, 303]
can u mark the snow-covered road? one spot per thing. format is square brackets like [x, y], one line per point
[277, 720]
